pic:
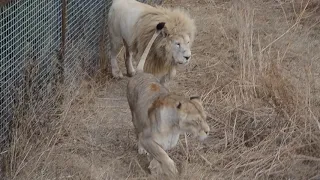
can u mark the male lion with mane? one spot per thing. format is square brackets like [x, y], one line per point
[160, 116]
[132, 23]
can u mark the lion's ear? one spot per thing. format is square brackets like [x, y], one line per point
[164, 31]
[164, 34]
[160, 26]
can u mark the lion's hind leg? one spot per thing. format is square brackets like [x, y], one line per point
[116, 44]
[165, 80]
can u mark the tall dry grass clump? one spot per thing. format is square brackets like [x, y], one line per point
[41, 139]
[258, 84]
[35, 129]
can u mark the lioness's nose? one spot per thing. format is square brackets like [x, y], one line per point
[187, 57]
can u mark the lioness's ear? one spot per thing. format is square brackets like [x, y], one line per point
[179, 105]
[195, 97]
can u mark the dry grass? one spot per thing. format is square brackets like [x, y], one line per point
[256, 66]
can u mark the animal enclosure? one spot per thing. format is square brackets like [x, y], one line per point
[42, 44]
[255, 65]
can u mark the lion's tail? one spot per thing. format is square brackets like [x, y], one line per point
[143, 58]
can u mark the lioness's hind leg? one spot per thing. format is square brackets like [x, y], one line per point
[116, 44]
[130, 69]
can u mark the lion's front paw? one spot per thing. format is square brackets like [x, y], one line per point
[131, 73]
[116, 73]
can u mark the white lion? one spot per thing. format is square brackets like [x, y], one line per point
[132, 23]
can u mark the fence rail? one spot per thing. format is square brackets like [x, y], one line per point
[43, 42]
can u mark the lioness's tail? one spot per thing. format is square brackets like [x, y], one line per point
[143, 58]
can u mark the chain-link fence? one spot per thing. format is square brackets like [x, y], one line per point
[43, 42]
[29, 37]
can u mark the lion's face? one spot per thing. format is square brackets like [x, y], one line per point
[193, 119]
[181, 52]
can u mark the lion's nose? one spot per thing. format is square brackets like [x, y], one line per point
[187, 57]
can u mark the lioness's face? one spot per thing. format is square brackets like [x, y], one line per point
[193, 119]
[181, 49]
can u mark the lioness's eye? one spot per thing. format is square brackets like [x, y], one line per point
[178, 44]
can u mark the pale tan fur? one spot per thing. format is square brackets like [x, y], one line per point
[133, 23]
[178, 24]
[159, 116]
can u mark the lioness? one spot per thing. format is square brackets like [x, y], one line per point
[159, 116]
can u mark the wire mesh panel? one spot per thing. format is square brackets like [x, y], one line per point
[157, 2]
[85, 24]
[29, 36]
[31, 46]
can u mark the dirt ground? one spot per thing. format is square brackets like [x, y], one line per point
[255, 65]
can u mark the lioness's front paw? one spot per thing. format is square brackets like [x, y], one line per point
[169, 168]
[155, 167]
